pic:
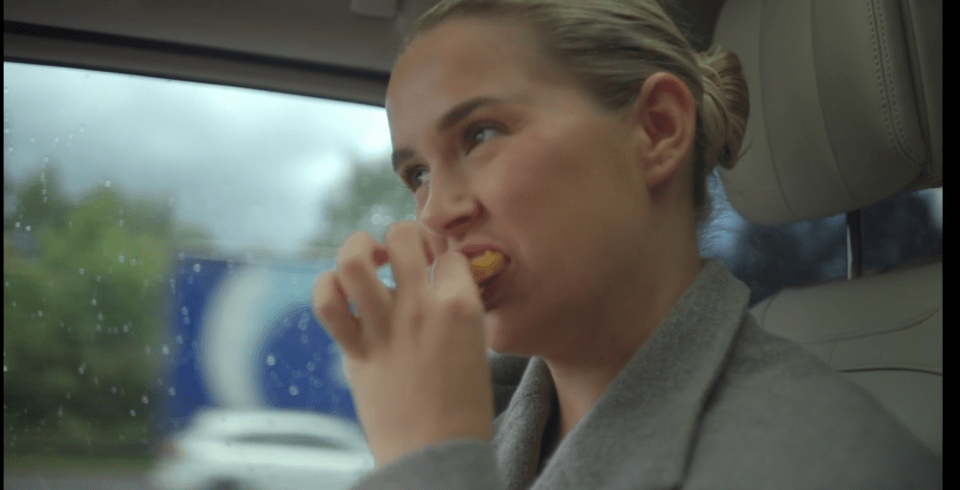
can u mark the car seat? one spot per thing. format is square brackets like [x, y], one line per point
[846, 110]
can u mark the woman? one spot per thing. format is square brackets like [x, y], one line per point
[574, 139]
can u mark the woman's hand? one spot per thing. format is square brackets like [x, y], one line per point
[416, 356]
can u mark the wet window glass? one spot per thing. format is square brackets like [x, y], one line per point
[161, 239]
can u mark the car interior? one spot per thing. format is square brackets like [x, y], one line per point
[846, 111]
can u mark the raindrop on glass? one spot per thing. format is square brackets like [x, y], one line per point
[186, 320]
[106, 184]
[172, 391]
[39, 312]
[113, 389]
[98, 327]
[28, 227]
[133, 413]
[33, 139]
[126, 327]
[4, 368]
[181, 255]
[196, 268]
[120, 222]
[16, 225]
[184, 311]
[311, 366]
[145, 400]
[294, 391]
[82, 368]
[96, 382]
[271, 360]
[60, 411]
[180, 339]
[165, 350]
[81, 272]
[100, 316]
[93, 301]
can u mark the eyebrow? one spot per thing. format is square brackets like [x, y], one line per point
[449, 120]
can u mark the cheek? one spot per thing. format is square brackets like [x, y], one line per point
[534, 177]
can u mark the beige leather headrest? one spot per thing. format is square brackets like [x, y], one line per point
[846, 104]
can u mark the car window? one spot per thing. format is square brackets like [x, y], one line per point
[894, 231]
[140, 214]
[161, 238]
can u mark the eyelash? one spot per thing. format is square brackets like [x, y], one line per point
[409, 172]
[474, 129]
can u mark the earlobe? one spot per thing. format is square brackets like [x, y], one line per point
[666, 114]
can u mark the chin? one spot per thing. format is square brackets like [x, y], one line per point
[508, 337]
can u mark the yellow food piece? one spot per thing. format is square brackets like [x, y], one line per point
[485, 265]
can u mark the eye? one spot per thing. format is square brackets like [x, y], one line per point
[477, 134]
[415, 176]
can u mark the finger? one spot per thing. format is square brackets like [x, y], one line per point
[459, 310]
[407, 248]
[357, 263]
[332, 311]
[454, 281]
[436, 245]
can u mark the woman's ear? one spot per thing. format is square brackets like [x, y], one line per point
[665, 117]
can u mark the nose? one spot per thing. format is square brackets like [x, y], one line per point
[450, 208]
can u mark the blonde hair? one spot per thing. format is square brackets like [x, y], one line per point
[611, 47]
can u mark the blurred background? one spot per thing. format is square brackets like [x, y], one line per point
[161, 239]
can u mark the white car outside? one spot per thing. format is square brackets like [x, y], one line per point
[262, 450]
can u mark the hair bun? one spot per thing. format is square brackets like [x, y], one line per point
[726, 104]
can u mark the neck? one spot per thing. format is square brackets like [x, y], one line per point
[581, 376]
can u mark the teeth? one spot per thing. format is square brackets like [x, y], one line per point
[485, 265]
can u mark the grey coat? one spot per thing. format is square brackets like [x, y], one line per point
[710, 401]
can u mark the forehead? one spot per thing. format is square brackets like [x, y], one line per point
[463, 58]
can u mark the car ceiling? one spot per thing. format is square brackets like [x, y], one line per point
[343, 49]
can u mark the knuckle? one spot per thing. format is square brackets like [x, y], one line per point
[326, 312]
[357, 244]
[353, 264]
[410, 313]
[462, 305]
[400, 230]
[323, 299]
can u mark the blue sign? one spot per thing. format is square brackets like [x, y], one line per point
[244, 336]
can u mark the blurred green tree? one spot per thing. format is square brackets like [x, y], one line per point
[369, 200]
[84, 299]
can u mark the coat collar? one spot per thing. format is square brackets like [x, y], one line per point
[640, 432]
